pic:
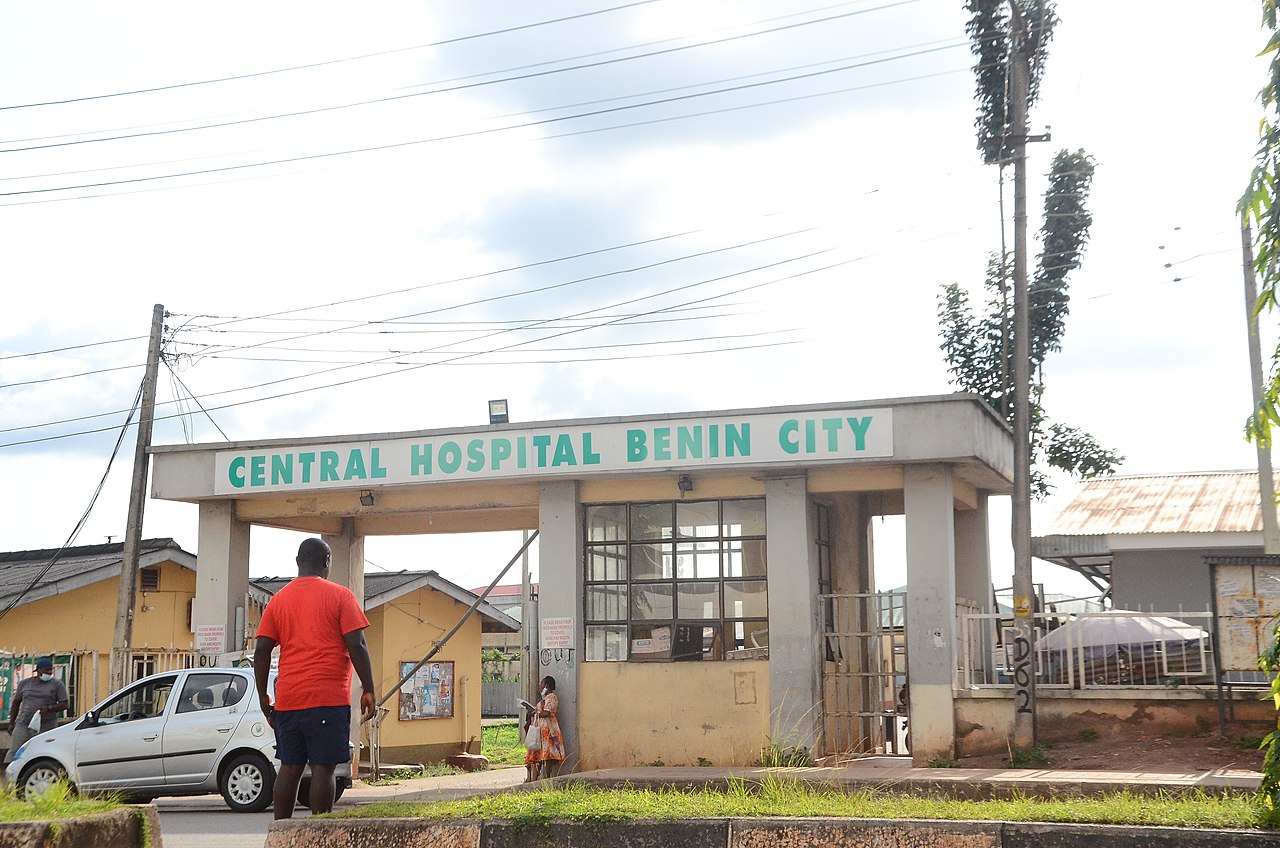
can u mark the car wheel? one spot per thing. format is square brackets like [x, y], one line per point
[304, 790]
[36, 778]
[246, 784]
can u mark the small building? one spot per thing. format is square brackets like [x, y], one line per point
[63, 602]
[508, 599]
[437, 713]
[1144, 540]
[706, 578]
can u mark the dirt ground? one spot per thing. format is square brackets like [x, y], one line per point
[1167, 754]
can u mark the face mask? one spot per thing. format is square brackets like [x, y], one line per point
[46, 677]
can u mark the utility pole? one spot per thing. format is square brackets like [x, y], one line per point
[526, 607]
[1266, 485]
[1024, 676]
[122, 641]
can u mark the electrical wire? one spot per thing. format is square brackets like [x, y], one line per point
[69, 376]
[69, 347]
[528, 124]
[327, 62]
[194, 399]
[648, 343]
[84, 517]
[551, 286]
[341, 383]
[519, 78]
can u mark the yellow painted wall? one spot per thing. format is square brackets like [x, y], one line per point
[636, 713]
[404, 631]
[84, 620]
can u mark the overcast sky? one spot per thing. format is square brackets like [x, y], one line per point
[589, 208]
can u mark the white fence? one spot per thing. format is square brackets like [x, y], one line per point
[1105, 650]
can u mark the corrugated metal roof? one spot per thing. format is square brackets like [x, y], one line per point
[379, 584]
[29, 576]
[1207, 502]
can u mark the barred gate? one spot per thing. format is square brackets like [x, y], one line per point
[864, 673]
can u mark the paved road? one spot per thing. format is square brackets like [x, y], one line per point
[212, 828]
[206, 822]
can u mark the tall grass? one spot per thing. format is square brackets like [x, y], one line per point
[501, 743]
[784, 798]
[57, 803]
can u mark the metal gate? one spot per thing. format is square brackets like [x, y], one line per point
[864, 673]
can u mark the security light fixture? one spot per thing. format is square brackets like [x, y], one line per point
[366, 498]
[498, 411]
[684, 484]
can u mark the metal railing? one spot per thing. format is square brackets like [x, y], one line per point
[1105, 650]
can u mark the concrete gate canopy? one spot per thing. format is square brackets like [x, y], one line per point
[436, 481]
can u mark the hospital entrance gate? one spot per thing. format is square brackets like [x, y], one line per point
[864, 674]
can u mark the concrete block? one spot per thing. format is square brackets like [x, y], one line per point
[1036, 835]
[372, 833]
[856, 833]
[699, 833]
[121, 828]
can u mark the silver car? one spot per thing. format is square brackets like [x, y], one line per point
[191, 732]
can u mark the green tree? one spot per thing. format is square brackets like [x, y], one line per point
[1259, 207]
[990, 30]
[978, 344]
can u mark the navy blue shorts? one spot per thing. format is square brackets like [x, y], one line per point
[314, 736]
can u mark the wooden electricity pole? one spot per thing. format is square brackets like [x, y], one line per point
[122, 642]
[1024, 676]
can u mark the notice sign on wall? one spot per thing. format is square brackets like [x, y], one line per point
[556, 633]
[211, 638]
[665, 443]
[428, 693]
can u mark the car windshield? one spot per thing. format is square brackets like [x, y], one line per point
[144, 701]
[209, 690]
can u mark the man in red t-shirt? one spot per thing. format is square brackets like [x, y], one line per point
[319, 627]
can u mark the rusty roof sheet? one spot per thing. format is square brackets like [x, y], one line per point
[1206, 502]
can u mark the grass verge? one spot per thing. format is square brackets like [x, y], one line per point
[501, 743]
[54, 805]
[782, 798]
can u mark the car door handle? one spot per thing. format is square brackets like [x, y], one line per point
[150, 738]
[224, 728]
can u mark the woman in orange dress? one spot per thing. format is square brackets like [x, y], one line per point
[546, 759]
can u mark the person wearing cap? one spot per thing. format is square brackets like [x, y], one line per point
[319, 627]
[41, 693]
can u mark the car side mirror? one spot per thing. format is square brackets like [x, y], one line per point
[90, 719]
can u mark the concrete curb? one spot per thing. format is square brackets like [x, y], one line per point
[748, 833]
[120, 828]
[961, 784]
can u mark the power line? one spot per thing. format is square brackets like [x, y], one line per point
[552, 286]
[327, 62]
[84, 517]
[452, 359]
[614, 320]
[194, 399]
[454, 137]
[399, 327]
[648, 343]
[518, 78]
[69, 376]
[528, 124]
[70, 347]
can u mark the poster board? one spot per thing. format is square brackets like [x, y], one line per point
[428, 693]
[1246, 594]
